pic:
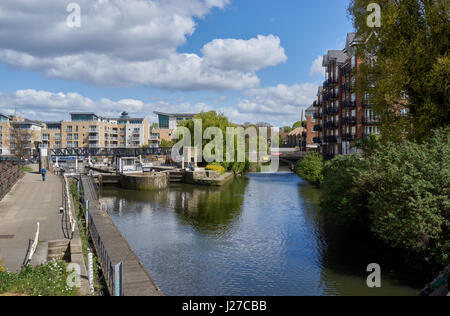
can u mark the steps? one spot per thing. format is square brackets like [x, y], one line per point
[176, 176]
[58, 250]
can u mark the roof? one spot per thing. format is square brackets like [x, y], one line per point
[297, 131]
[82, 113]
[310, 109]
[339, 55]
[175, 114]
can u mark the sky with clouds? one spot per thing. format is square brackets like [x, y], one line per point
[254, 60]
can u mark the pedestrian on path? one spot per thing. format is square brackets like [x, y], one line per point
[43, 174]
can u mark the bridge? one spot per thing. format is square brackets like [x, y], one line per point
[109, 152]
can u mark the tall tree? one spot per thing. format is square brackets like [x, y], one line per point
[407, 65]
[20, 141]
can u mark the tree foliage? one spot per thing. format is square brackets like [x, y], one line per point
[407, 65]
[311, 168]
[401, 193]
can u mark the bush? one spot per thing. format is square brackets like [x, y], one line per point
[399, 192]
[311, 168]
[45, 280]
[216, 167]
[344, 199]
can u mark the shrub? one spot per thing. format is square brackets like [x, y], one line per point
[45, 280]
[344, 199]
[216, 167]
[311, 168]
[399, 192]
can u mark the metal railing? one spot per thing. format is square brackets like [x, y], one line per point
[10, 174]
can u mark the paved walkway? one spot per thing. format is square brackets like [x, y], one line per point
[30, 201]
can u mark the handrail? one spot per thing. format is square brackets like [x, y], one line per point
[33, 246]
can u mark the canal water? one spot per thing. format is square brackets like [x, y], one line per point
[259, 235]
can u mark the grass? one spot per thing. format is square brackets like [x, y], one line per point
[26, 169]
[84, 235]
[45, 280]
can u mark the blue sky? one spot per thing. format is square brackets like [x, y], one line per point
[37, 77]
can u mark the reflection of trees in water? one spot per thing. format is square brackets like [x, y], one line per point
[206, 209]
[209, 209]
[344, 255]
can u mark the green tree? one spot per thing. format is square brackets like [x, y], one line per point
[311, 168]
[166, 144]
[406, 66]
[400, 193]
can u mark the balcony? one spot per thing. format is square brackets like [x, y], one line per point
[317, 140]
[331, 125]
[349, 121]
[330, 83]
[317, 104]
[347, 71]
[95, 138]
[318, 128]
[348, 137]
[331, 96]
[370, 121]
[93, 129]
[331, 139]
[332, 110]
[317, 116]
[347, 87]
[349, 104]
[366, 104]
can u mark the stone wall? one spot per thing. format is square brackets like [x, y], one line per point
[146, 182]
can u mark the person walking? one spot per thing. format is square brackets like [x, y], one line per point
[43, 172]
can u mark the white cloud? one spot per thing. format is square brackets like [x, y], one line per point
[48, 106]
[133, 42]
[316, 67]
[280, 105]
[251, 55]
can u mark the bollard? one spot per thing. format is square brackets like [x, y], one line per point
[91, 271]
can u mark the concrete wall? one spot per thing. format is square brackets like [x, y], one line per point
[152, 182]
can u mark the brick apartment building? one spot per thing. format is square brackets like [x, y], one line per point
[341, 114]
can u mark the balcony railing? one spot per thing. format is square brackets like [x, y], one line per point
[349, 120]
[331, 125]
[365, 104]
[370, 121]
[347, 71]
[94, 138]
[349, 104]
[332, 110]
[317, 140]
[330, 139]
[348, 137]
[317, 115]
[331, 96]
[347, 87]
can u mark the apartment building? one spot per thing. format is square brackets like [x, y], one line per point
[167, 125]
[4, 134]
[342, 115]
[88, 130]
[17, 132]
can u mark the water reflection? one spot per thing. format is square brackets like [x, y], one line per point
[259, 235]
